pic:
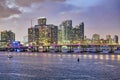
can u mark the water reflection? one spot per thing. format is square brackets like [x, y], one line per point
[60, 55]
[118, 57]
[106, 57]
[113, 57]
[37, 65]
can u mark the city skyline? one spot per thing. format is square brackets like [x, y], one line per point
[16, 15]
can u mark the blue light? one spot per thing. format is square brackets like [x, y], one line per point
[18, 50]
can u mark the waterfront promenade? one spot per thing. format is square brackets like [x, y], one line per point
[49, 66]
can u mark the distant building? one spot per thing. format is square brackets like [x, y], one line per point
[33, 35]
[116, 39]
[25, 40]
[59, 36]
[108, 39]
[66, 28]
[96, 38]
[78, 32]
[42, 21]
[88, 41]
[7, 36]
[52, 33]
[42, 34]
[30, 34]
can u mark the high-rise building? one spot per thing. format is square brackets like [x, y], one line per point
[78, 32]
[42, 21]
[59, 36]
[52, 33]
[33, 35]
[7, 36]
[30, 35]
[81, 28]
[108, 39]
[116, 39]
[96, 38]
[42, 34]
[66, 28]
[25, 40]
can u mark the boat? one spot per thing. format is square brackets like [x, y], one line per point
[64, 49]
[91, 49]
[77, 50]
[105, 49]
[40, 49]
[117, 50]
[52, 49]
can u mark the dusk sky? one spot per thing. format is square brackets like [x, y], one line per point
[99, 16]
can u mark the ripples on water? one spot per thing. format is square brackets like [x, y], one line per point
[50, 66]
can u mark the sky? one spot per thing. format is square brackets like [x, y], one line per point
[99, 16]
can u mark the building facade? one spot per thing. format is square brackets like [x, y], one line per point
[66, 28]
[42, 21]
[33, 36]
[96, 38]
[78, 32]
[7, 36]
[109, 40]
[116, 39]
[43, 34]
[52, 34]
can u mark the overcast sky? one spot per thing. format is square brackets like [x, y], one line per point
[99, 16]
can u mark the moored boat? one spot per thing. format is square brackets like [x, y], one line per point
[117, 50]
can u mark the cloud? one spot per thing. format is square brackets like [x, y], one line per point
[6, 11]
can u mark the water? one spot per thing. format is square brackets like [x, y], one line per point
[49, 66]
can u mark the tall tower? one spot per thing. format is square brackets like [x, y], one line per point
[108, 39]
[116, 39]
[78, 32]
[33, 35]
[52, 33]
[66, 28]
[81, 31]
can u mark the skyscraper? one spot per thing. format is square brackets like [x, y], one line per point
[52, 33]
[108, 39]
[66, 28]
[33, 35]
[78, 32]
[116, 39]
[81, 28]
[43, 34]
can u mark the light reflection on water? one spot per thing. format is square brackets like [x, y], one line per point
[81, 56]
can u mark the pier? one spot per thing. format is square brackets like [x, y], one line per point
[58, 48]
